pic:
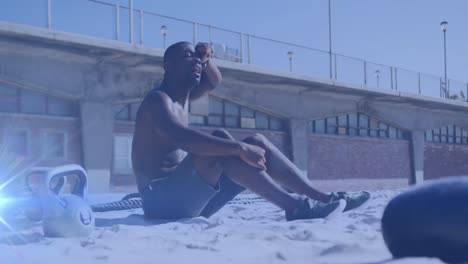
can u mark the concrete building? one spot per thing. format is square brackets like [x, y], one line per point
[68, 98]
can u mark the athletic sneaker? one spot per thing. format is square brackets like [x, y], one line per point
[307, 210]
[353, 199]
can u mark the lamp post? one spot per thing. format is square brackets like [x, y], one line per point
[164, 34]
[443, 26]
[290, 56]
[377, 77]
[330, 38]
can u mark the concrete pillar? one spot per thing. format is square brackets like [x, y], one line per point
[299, 142]
[96, 135]
[417, 149]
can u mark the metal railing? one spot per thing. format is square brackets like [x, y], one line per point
[149, 29]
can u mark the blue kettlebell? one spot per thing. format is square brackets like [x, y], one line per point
[66, 215]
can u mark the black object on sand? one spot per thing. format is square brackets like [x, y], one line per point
[429, 220]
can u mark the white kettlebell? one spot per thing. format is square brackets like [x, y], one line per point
[67, 215]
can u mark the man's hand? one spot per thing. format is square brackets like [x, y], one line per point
[204, 52]
[253, 155]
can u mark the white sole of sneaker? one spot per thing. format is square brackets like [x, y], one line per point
[338, 211]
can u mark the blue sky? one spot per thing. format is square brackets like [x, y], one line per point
[393, 32]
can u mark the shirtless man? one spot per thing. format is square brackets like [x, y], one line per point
[182, 172]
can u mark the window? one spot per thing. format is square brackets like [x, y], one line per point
[276, 123]
[196, 119]
[392, 132]
[436, 135]
[319, 126]
[214, 120]
[17, 141]
[247, 122]
[458, 135]
[215, 106]
[363, 125]
[331, 125]
[374, 128]
[450, 134]
[261, 120]
[231, 121]
[122, 112]
[60, 107]
[464, 136]
[428, 135]
[8, 99]
[443, 135]
[54, 145]
[231, 109]
[353, 124]
[122, 161]
[247, 112]
[383, 130]
[32, 102]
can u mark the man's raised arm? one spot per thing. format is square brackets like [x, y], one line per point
[211, 76]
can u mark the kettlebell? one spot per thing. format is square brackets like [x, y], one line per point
[66, 215]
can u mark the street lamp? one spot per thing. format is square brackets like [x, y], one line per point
[330, 38]
[164, 34]
[290, 56]
[443, 26]
[377, 76]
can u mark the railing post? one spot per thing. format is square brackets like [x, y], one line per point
[195, 33]
[466, 95]
[248, 49]
[365, 73]
[131, 20]
[241, 55]
[391, 77]
[49, 14]
[117, 22]
[419, 82]
[336, 68]
[396, 79]
[141, 27]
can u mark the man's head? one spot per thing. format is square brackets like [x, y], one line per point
[182, 64]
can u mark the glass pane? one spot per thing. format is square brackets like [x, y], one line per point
[121, 147]
[247, 112]
[353, 131]
[428, 135]
[231, 109]
[343, 121]
[60, 107]
[353, 121]
[276, 123]
[363, 121]
[458, 131]
[55, 145]
[458, 140]
[392, 132]
[247, 122]
[261, 120]
[32, 102]
[465, 133]
[331, 125]
[196, 119]
[215, 105]
[231, 121]
[319, 126]
[383, 130]
[17, 142]
[8, 99]
[121, 113]
[214, 120]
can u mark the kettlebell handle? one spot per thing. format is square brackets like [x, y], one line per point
[81, 186]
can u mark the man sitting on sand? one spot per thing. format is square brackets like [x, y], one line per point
[182, 172]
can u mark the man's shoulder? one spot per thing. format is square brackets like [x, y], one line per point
[156, 96]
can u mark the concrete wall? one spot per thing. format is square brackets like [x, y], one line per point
[442, 160]
[335, 157]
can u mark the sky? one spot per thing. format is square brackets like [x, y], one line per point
[399, 33]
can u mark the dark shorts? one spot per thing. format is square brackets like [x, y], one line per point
[183, 193]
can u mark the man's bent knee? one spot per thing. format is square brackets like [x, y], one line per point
[257, 139]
